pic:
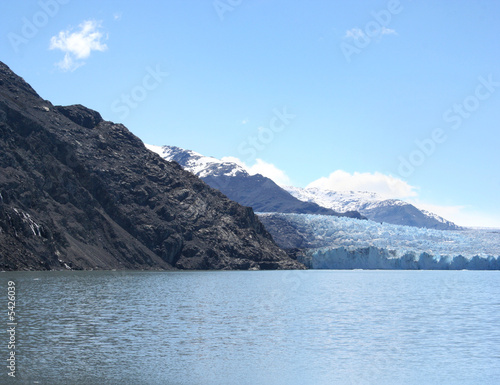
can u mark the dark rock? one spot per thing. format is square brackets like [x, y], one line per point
[81, 115]
[287, 234]
[77, 192]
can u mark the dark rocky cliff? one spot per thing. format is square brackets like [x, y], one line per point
[83, 193]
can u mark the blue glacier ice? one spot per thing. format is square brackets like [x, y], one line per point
[377, 258]
[346, 243]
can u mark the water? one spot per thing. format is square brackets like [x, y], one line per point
[274, 327]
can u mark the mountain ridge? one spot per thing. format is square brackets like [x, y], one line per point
[78, 192]
[264, 195]
[256, 191]
[373, 206]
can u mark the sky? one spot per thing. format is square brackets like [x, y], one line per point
[398, 97]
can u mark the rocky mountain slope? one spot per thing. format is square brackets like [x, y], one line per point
[374, 207]
[83, 193]
[256, 191]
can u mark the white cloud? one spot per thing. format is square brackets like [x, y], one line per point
[271, 171]
[354, 33]
[117, 16]
[385, 185]
[357, 33]
[387, 31]
[262, 167]
[78, 45]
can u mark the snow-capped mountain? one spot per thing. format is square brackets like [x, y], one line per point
[256, 191]
[200, 165]
[373, 206]
[264, 195]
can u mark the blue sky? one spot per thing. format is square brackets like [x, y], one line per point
[398, 97]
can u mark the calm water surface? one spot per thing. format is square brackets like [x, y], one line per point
[310, 327]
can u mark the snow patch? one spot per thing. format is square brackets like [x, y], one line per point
[26, 218]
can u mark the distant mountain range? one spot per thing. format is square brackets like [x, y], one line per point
[255, 191]
[374, 207]
[263, 195]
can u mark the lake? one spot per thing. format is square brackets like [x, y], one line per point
[259, 327]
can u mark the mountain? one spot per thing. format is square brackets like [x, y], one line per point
[374, 207]
[78, 192]
[255, 191]
[265, 196]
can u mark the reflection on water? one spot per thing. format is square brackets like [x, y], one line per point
[307, 327]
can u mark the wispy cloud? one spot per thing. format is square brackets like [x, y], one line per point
[245, 121]
[354, 33]
[78, 45]
[357, 33]
[388, 31]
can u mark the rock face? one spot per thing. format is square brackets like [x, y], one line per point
[288, 234]
[80, 115]
[83, 193]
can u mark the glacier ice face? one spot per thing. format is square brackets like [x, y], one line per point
[339, 242]
[376, 258]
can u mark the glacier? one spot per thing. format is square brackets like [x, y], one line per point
[346, 243]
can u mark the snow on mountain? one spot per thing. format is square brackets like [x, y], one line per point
[341, 200]
[436, 217]
[256, 191]
[264, 195]
[344, 243]
[373, 206]
[200, 165]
